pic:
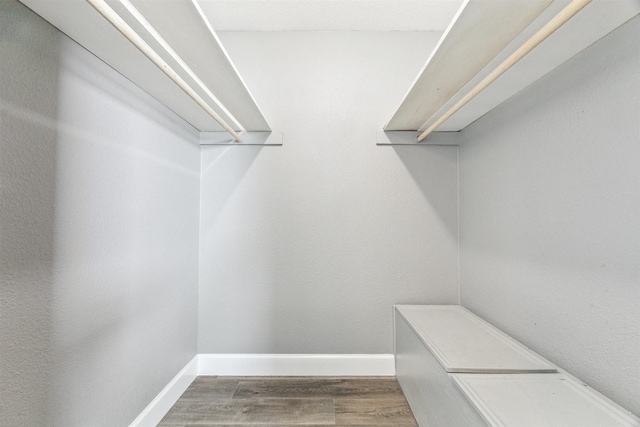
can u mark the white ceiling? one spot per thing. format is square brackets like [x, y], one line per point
[330, 15]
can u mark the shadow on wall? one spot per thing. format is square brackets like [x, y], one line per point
[28, 97]
[98, 242]
[223, 168]
[421, 161]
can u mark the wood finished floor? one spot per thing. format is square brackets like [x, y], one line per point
[291, 401]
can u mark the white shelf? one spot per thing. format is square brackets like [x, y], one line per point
[463, 342]
[180, 24]
[456, 369]
[483, 34]
[529, 400]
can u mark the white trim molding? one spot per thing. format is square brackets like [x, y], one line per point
[297, 364]
[304, 365]
[158, 408]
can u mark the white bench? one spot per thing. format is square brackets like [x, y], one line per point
[458, 370]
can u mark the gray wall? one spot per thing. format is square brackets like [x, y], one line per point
[549, 216]
[99, 199]
[304, 248]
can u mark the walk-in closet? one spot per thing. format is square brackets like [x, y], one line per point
[319, 212]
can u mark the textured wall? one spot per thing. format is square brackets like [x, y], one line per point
[99, 241]
[304, 248]
[549, 216]
[29, 61]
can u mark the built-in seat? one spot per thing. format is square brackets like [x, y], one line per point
[458, 370]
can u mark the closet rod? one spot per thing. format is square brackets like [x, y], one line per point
[559, 20]
[115, 20]
[167, 47]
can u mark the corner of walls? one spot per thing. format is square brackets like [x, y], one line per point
[305, 247]
[200, 214]
[164, 401]
[279, 365]
[460, 142]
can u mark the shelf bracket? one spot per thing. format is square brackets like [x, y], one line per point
[273, 139]
[409, 137]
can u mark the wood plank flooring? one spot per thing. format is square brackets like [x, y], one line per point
[291, 401]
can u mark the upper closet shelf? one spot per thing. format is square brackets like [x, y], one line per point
[482, 35]
[180, 33]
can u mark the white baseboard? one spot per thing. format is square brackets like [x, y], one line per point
[304, 365]
[158, 408]
[297, 364]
